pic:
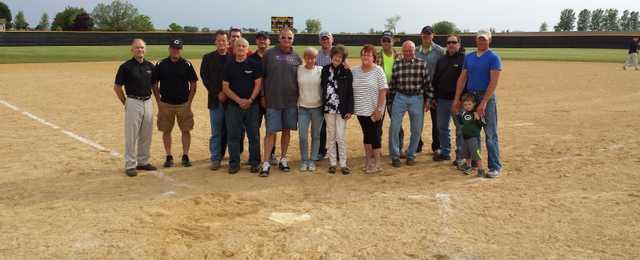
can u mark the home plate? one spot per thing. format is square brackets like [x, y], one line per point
[289, 218]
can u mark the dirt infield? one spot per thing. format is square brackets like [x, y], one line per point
[571, 188]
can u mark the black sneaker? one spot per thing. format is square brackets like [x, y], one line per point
[345, 170]
[396, 163]
[440, 157]
[168, 162]
[147, 167]
[215, 165]
[332, 169]
[255, 169]
[234, 170]
[131, 172]
[185, 161]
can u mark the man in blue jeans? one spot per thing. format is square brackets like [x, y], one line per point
[480, 74]
[413, 94]
[444, 82]
[242, 83]
[211, 72]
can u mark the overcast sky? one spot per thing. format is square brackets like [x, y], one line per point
[339, 15]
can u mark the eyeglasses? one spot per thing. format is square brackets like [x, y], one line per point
[452, 42]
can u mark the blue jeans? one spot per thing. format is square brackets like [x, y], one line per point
[240, 119]
[415, 106]
[491, 131]
[309, 117]
[444, 117]
[218, 140]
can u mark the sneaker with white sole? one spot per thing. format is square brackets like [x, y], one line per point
[264, 170]
[273, 160]
[304, 167]
[493, 174]
[312, 167]
[284, 165]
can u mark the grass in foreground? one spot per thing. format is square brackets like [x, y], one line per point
[48, 54]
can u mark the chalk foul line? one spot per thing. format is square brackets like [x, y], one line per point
[83, 140]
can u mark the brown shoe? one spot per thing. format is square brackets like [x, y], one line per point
[411, 162]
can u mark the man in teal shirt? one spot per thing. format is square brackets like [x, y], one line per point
[430, 52]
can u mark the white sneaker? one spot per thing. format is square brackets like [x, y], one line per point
[304, 167]
[273, 160]
[312, 167]
[266, 166]
[493, 174]
[284, 165]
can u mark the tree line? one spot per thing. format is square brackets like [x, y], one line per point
[598, 20]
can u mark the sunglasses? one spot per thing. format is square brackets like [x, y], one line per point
[386, 40]
[286, 38]
[452, 42]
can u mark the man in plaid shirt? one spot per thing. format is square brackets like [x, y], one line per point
[412, 93]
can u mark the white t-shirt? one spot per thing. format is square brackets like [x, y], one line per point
[309, 87]
[366, 87]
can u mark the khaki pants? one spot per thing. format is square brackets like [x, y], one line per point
[138, 128]
[632, 61]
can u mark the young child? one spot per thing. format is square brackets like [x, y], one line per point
[471, 126]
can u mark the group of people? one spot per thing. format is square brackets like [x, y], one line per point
[316, 94]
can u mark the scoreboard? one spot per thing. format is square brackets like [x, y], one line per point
[280, 22]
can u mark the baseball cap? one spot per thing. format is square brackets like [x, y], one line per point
[262, 34]
[483, 34]
[176, 44]
[324, 34]
[387, 34]
[427, 29]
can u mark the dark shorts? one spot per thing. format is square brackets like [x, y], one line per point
[471, 149]
[371, 131]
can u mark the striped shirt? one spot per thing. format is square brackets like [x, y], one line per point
[366, 87]
[411, 78]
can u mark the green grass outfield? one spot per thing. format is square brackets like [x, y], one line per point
[44, 54]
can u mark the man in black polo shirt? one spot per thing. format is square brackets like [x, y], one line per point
[211, 72]
[177, 79]
[135, 76]
[262, 43]
[242, 83]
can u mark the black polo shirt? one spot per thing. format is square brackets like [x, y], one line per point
[136, 77]
[174, 78]
[241, 76]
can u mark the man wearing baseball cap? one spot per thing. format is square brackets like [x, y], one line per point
[262, 43]
[431, 52]
[174, 87]
[480, 74]
[385, 59]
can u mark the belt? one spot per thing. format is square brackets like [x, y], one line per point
[139, 98]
